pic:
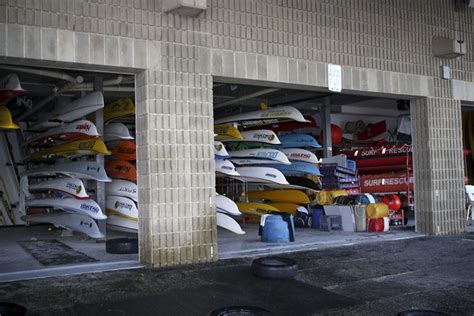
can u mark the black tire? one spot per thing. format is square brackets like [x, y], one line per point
[274, 268]
[122, 245]
[10, 309]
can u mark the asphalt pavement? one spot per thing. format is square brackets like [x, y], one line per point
[380, 278]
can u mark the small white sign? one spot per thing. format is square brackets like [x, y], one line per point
[334, 78]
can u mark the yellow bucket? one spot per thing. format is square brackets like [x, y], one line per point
[377, 210]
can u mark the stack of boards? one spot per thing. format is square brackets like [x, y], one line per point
[54, 187]
[247, 148]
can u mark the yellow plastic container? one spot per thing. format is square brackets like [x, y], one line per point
[377, 210]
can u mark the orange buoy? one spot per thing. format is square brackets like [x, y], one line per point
[125, 150]
[336, 135]
[121, 169]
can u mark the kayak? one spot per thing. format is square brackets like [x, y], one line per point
[226, 205]
[261, 153]
[227, 132]
[264, 117]
[74, 222]
[119, 109]
[219, 150]
[225, 167]
[299, 154]
[283, 196]
[125, 150]
[116, 131]
[82, 129]
[121, 169]
[286, 207]
[256, 208]
[298, 140]
[122, 207]
[122, 188]
[6, 122]
[84, 207]
[70, 150]
[298, 167]
[73, 187]
[228, 223]
[264, 136]
[260, 175]
[71, 112]
[77, 169]
[10, 88]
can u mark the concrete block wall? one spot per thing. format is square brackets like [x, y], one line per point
[384, 47]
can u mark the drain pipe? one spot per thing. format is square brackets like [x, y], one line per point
[46, 73]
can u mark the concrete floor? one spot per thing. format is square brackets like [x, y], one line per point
[379, 278]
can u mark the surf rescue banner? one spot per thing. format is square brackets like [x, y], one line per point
[384, 183]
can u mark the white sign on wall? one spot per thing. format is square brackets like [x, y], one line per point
[334, 78]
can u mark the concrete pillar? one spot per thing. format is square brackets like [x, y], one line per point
[439, 188]
[327, 133]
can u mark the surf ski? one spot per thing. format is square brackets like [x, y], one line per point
[123, 211]
[263, 136]
[264, 117]
[70, 150]
[73, 187]
[75, 169]
[227, 222]
[82, 129]
[299, 154]
[226, 205]
[256, 208]
[260, 175]
[298, 140]
[73, 222]
[225, 167]
[84, 207]
[298, 167]
[261, 153]
[123, 188]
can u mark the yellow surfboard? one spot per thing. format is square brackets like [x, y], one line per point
[227, 132]
[72, 149]
[6, 121]
[256, 208]
[281, 196]
[119, 108]
[285, 207]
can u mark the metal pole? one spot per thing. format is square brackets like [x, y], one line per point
[99, 122]
[327, 135]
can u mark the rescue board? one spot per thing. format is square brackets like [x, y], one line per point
[73, 187]
[264, 117]
[299, 154]
[261, 153]
[121, 169]
[298, 140]
[70, 150]
[74, 222]
[75, 169]
[227, 132]
[227, 222]
[226, 205]
[260, 175]
[123, 188]
[118, 109]
[283, 196]
[82, 129]
[84, 207]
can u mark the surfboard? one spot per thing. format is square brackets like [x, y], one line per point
[121, 169]
[73, 187]
[119, 109]
[84, 207]
[116, 131]
[227, 132]
[226, 205]
[125, 150]
[264, 117]
[122, 207]
[122, 188]
[298, 140]
[260, 175]
[264, 136]
[219, 150]
[285, 207]
[298, 167]
[256, 208]
[6, 122]
[74, 222]
[82, 129]
[71, 112]
[228, 223]
[261, 153]
[76, 169]
[70, 150]
[10, 88]
[299, 154]
[282, 196]
[225, 167]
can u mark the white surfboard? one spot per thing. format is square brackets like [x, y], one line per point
[219, 150]
[262, 136]
[227, 222]
[261, 153]
[225, 167]
[71, 112]
[298, 154]
[70, 186]
[76, 169]
[85, 207]
[226, 205]
[261, 175]
[121, 206]
[67, 132]
[264, 117]
[116, 131]
[123, 188]
[75, 222]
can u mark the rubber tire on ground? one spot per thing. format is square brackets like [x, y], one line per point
[11, 309]
[122, 245]
[274, 268]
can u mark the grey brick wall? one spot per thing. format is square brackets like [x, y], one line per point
[383, 45]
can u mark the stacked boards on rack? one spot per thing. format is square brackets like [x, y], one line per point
[250, 149]
[53, 188]
[122, 192]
